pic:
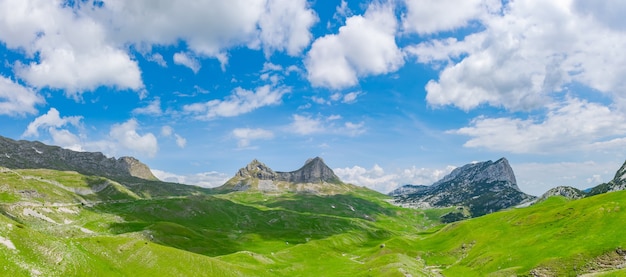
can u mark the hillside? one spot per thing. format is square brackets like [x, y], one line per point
[34, 155]
[483, 187]
[55, 223]
[313, 177]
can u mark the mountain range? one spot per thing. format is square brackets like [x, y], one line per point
[34, 154]
[59, 217]
[482, 187]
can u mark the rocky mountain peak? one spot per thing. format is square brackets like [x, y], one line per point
[483, 187]
[565, 191]
[483, 172]
[313, 171]
[256, 169]
[34, 154]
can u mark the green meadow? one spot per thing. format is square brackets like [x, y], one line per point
[55, 223]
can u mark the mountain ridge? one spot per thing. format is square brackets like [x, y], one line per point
[483, 187]
[313, 177]
[24, 154]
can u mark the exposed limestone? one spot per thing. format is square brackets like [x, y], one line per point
[314, 177]
[483, 187]
[34, 154]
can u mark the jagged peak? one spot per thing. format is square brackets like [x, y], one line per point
[257, 169]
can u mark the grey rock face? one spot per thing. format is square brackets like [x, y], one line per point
[34, 154]
[618, 183]
[313, 171]
[407, 189]
[565, 191]
[483, 187]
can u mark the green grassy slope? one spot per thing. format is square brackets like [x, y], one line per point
[558, 237]
[56, 223]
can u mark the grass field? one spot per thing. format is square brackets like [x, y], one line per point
[65, 224]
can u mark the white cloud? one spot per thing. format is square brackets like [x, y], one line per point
[523, 57]
[71, 51]
[246, 135]
[125, 136]
[206, 179]
[186, 60]
[431, 16]
[180, 141]
[377, 179]
[52, 120]
[351, 97]
[17, 100]
[66, 139]
[364, 46]
[209, 27]
[168, 131]
[354, 129]
[240, 102]
[537, 178]
[285, 26]
[157, 58]
[306, 125]
[574, 124]
[153, 108]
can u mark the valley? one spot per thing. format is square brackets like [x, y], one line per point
[261, 223]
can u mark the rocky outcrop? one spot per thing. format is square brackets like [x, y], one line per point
[314, 177]
[565, 191]
[618, 183]
[407, 189]
[34, 154]
[482, 187]
[313, 171]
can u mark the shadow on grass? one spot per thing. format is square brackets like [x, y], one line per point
[213, 226]
[335, 205]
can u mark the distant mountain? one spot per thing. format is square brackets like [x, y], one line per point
[565, 191]
[33, 154]
[482, 187]
[618, 183]
[407, 189]
[314, 177]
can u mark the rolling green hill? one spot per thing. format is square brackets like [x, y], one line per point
[62, 223]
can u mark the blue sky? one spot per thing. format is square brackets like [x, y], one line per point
[387, 92]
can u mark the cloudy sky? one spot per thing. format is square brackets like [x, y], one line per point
[387, 92]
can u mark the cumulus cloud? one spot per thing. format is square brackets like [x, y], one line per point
[52, 120]
[308, 125]
[71, 52]
[245, 135]
[431, 16]
[377, 179]
[157, 58]
[209, 179]
[537, 178]
[186, 60]
[524, 56]
[126, 137]
[285, 26]
[210, 27]
[364, 46]
[80, 46]
[168, 131]
[574, 124]
[153, 108]
[240, 102]
[180, 141]
[17, 100]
